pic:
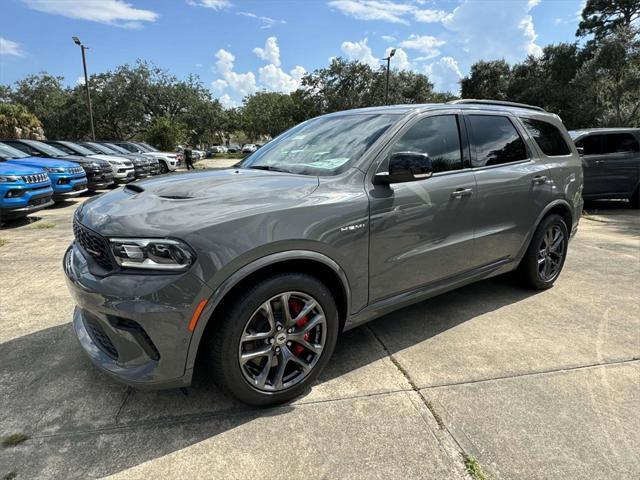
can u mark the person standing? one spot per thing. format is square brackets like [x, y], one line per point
[188, 157]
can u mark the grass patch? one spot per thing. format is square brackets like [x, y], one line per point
[10, 476]
[239, 156]
[435, 414]
[43, 225]
[474, 469]
[14, 439]
[3, 242]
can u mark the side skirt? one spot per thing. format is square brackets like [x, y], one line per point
[410, 297]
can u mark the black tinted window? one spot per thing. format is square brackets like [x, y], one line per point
[437, 137]
[496, 140]
[620, 143]
[547, 136]
[23, 147]
[592, 144]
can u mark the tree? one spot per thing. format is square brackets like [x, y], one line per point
[44, 96]
[17, 122]
[267, 114]
[487, 80]
[611, 77]
[601, 18]
[164, 133]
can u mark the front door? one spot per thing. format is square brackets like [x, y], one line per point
[422, 231]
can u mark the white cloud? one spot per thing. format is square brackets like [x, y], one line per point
[241, 83]
[270, 52]
[214, 4]
[476, 35]
[425, 44]
[270, 77]
[361, 52]
[429, 16]
[9, 47]
[227, 102]
[400, 59]
[388, 38]
[445, 74]
[110, 12]
[267, 22]
[275, 79]
[384, 10]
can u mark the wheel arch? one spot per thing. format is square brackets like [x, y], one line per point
[313, 263]
[560, 207]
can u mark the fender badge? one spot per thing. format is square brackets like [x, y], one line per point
[350, 228]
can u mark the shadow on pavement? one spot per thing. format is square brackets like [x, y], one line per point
[52, 393]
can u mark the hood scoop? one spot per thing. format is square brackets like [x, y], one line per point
[133, 189]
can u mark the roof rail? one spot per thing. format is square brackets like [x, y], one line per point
[472, 101]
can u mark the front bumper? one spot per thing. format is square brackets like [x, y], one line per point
[124, 175]
[69, 187]
[31, 203]
[134, 327]
[99, 180]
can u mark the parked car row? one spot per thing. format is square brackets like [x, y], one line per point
[35, 174]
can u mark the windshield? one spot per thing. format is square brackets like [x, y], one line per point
[147, 147]
[80, 149]
[7, 152]
[97, 148]
[321, 146]
[117, 148]
[47, 149]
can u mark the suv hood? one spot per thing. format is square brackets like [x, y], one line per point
[39, 162]
[182, 204]
[110, 158]
[7, 168]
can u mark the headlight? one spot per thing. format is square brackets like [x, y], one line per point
[53, 169]
[9, 178]
[154, 254]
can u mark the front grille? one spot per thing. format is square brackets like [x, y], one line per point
[100, 338]
[94, 245]
[75, 170]
[36, 178]
[39, 200]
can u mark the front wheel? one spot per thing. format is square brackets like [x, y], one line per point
[163, 167]
[544, 259]
[273, 340]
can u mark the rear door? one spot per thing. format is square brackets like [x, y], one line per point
[619, 163]
[513, 185]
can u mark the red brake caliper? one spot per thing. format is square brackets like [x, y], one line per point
[295, 307]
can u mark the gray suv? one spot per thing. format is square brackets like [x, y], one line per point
[611, 162]
[254, 271]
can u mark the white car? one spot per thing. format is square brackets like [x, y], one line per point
[168, 160]
[249, 148]
[219, 149]
[123, 169]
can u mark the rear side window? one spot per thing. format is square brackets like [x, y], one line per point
[547, 136]
[620, 143]
[436, 136]
[495, 140]
[591, 144]
[23, 147]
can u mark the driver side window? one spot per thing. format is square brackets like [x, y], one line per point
[436, 136]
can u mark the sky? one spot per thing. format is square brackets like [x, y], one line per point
[238, 47]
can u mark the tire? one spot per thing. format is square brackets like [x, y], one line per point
[227, 343]
[534, 274]
[163, 167]
[635, 198]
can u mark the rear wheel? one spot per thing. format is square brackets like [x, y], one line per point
[546, 254]
[163, 167]
[274, 339]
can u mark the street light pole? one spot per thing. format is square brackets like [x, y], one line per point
[77, 41]
[388, 59]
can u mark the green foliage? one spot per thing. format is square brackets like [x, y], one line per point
[487, 80]
[17, 121]
[164, 133]
[601, 18]
[44, 96]
[474, 469]
[14, 439]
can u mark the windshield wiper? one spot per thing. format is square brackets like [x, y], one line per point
[269, 168]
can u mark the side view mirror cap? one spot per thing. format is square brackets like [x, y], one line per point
[580, 150]
[406, 167]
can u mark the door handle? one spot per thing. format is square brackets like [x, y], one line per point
[598, 162]
[461, 192]
[539, 180]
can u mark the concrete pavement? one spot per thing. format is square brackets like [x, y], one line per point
[533, 385]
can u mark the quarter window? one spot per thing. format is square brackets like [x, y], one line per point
[547, 136]
[620, 143]
[496, 140]
[436, 136]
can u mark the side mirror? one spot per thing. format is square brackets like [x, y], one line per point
[580, 151]
[406, 167]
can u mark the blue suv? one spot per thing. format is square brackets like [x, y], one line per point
[67, 178]
[23, 190]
